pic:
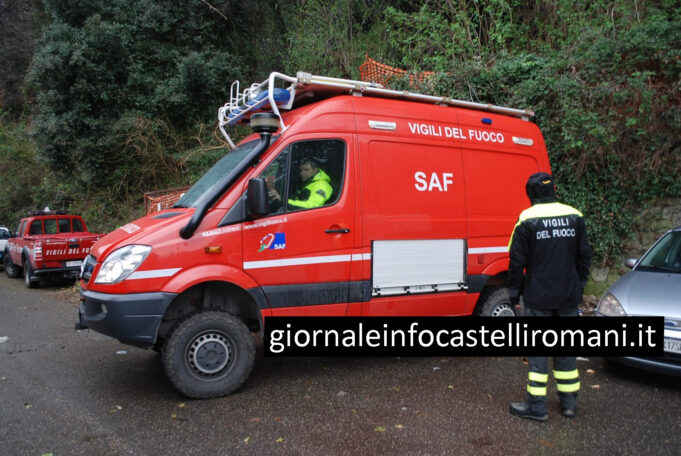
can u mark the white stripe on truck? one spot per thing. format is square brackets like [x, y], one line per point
[153, 273]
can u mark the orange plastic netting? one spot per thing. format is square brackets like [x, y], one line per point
[373, 71]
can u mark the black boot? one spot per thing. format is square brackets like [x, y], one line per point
[567, 412]
[522, 410]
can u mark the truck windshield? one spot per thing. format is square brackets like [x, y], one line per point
[217, 172]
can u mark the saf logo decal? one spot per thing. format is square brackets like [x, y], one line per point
[273, 241]
[435, 182]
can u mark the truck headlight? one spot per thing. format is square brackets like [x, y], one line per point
[610, 306]
[121, 263]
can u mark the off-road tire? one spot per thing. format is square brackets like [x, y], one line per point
[496, 302]
[28, 272]
[209, 354]
[12, 270]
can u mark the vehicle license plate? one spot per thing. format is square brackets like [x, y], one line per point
[73, 263]
[672, 345]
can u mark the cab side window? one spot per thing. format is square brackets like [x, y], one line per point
[64, 225]
[20, 229]
[306, 175]
[36, 228]
[77, 225]
[275, 176]
[50, 226]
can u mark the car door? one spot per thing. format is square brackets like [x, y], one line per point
[300, 253]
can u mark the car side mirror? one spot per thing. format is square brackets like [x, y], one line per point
[257, 198]
[630, 262]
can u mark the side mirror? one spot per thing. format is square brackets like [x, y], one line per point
[630, 262]
[257, 198]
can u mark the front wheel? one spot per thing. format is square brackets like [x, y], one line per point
[496, 302]
[12, 270]
[210, 354]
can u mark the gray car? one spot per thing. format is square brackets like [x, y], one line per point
[652, 288]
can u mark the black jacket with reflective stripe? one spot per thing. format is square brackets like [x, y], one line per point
[550, 242]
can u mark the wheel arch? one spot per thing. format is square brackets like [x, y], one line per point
[493, 277]
[497, 268]
[497, 291]
[216, 295]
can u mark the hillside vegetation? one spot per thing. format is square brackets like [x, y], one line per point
[119, 97]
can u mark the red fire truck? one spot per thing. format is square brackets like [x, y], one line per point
[347, 200]
[48, 244]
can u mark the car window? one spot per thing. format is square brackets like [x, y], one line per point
[306, 175]
[20, 229]
[64, 225]
[77, 225]
[4, 234]
[36, 228]
[275, 176]
[50, 226]
[665, 256]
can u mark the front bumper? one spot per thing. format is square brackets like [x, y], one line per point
[133, 319]
[668, 365]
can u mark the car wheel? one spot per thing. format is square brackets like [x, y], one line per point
[210, 354]
[12, 270]
[496, 302]
[28, 272]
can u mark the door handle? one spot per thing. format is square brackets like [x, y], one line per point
[338, 231]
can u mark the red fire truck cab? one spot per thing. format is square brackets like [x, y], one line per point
[347, 200]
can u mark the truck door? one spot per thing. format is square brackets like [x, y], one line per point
[16, 243]
[300, 253]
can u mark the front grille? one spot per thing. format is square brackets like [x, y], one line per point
[87, 268]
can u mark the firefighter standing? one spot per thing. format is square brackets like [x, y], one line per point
[551, 244]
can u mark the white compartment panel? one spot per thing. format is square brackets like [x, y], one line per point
[425, 265]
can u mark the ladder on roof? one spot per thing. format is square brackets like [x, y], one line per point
[265, 95]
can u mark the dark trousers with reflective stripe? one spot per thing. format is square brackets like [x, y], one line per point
[564, 370]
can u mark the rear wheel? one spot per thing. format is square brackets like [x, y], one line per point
[496, 302]
[210, 354]
[12, 270]
[28, 273]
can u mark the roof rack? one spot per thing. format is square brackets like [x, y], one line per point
[38, 213]
[265, 95]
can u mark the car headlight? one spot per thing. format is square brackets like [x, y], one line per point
[610, 306]
[121, 263]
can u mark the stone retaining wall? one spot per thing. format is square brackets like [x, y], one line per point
[652, 220]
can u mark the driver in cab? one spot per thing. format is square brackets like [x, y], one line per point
[315, 190]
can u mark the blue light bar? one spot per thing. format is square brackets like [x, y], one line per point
[281, 97]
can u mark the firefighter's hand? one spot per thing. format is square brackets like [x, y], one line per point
[274, 195]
